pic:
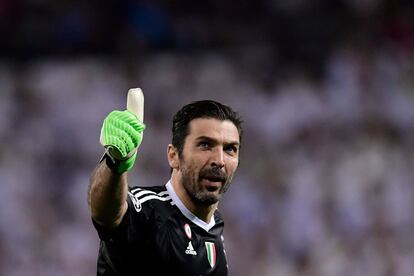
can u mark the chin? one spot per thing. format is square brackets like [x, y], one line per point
[208, 199]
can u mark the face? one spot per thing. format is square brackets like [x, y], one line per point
[209, 159]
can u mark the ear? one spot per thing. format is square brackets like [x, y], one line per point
[172, 154]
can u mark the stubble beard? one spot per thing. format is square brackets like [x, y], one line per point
[191, 182]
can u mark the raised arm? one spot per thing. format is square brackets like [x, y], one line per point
[121, 135]
[107, 196]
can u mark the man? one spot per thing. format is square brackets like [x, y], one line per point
[174, 229]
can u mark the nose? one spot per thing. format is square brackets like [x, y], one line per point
[217, 159]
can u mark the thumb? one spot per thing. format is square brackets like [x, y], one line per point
[135, 103]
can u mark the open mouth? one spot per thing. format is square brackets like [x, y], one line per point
[213, 183]
[213, 179]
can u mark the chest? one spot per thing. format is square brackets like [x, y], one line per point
[188, 248]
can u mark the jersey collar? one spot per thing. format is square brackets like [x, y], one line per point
[187, 213]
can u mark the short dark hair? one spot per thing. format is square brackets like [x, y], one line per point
[201, 109]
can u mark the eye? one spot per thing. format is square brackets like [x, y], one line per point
[231, 149]
[204, 145]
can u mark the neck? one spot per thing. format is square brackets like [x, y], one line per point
[200, 210]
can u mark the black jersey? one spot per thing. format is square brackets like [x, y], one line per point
[160, 236]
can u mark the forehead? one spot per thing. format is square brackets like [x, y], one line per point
[213, 128]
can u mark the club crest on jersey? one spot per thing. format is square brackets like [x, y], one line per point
[187, 230]
[211, 253]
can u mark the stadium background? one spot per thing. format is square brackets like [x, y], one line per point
[326, 89]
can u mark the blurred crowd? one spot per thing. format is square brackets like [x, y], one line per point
[326, 91]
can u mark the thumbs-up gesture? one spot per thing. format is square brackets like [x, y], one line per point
[122, 132]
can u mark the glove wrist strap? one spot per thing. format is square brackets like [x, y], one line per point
[111, 162]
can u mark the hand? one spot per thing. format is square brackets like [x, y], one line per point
[121, 135]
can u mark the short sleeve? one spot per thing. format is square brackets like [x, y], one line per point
[132, 226]
[106, 234]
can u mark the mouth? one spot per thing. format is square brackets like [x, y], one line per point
[213, 179]
[212, 184]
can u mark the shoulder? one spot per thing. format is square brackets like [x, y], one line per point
[145, 197]
[147, 190]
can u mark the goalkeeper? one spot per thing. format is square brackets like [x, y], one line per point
[175, 228]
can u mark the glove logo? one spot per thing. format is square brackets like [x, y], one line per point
[135, 202]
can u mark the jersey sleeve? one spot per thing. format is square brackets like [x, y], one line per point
[132, 227]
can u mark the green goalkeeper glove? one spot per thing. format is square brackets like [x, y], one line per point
[121, 135]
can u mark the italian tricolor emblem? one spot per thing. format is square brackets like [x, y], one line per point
[211, 253]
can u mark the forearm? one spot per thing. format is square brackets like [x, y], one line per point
[107, 196]
[121, 135]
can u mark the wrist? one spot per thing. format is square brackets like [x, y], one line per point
[118, 166]
[112, 163]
